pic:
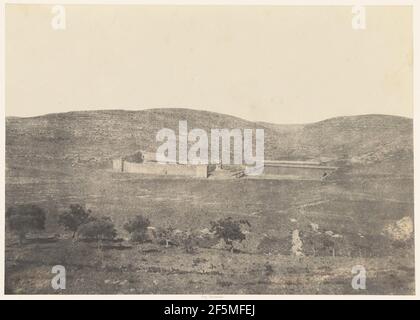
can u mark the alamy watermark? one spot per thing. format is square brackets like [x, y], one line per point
[358, 21]
[58, 20]
[58, 282]
[359, 280]
[194, 147]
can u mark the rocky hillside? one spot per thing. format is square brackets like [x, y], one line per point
[102, 135]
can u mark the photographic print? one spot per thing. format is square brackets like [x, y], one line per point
[209, 150]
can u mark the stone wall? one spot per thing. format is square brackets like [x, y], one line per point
[160, 169]
[117, 165]
[305, 172]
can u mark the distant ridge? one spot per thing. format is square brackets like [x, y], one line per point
[105, 134]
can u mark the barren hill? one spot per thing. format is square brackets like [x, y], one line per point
[102, 135]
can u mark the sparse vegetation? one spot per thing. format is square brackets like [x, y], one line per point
[73, 218]
[189, 242]
[99, 230]
[137, 227]
[136, 157]
[378, 178]
[23, 219]
[165, 236]
[229, 230]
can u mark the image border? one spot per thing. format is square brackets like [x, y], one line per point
[416, 145]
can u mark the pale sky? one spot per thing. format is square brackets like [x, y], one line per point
[275, 64]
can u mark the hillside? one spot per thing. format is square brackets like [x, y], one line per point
[352, 218]
[102, 135]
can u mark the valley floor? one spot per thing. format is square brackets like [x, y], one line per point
[152, 269]
[356, 208]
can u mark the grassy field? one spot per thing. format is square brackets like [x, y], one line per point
[355, 207]
[151, 269]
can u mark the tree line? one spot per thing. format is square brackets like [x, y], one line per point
[83, 225]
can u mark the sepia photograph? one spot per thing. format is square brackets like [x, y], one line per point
[208, 150]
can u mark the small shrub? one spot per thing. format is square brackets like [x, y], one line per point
[166, 236]
[137, 227]
[268, 269]
[140, 237]
[136, 157]
[73, 218]
[23, 219]
[229, 230]
[189, 242]
[98, 230]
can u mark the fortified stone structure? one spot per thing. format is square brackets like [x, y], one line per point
[304, 170]
[155, 168]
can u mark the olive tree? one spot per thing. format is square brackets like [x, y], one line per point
[137, 227]
[74, 217]
[98, 230]
[22, 219]
[229, 230]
